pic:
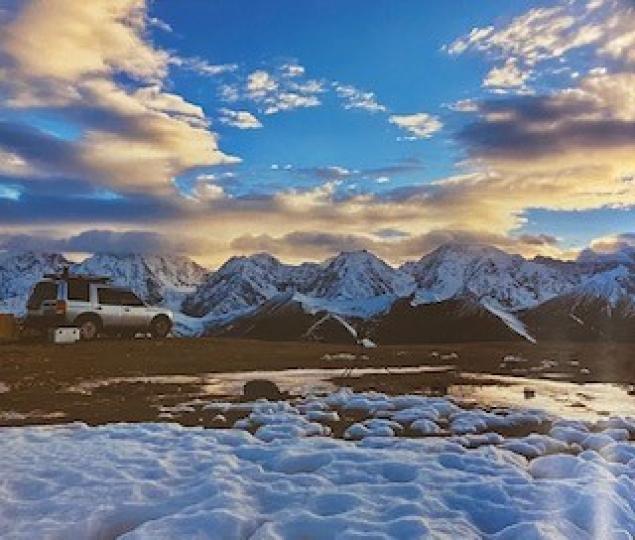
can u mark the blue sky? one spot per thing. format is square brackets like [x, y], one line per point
[247, 125]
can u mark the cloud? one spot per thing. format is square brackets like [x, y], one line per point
[239, 119]
[286, 101]
[421, 125]
[292, 70]
[260, 83]
[394, 245]
[543, 34]
[132, 137]
[354, 98]
[507, 76]
[598, 115]
[107, 241]
[203, 67]
[277, 94]
[613, 243]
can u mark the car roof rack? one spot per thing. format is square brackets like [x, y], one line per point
[65, 274]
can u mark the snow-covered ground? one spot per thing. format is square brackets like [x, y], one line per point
[278, 474]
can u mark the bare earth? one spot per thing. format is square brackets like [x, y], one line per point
[134, 380]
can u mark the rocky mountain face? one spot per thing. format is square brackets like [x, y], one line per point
[457, 292]
[285, 318]
[353, 284]
[458, 319]
[507, 282]
[19, 272]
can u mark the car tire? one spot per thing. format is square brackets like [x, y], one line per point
[89, 328]
[160, 327]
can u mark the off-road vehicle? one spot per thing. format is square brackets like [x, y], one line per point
[93, 305]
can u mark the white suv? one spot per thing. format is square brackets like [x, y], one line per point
[94, 306]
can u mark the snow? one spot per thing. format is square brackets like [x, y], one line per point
[511, 321]
[157, 279]
[287, 478]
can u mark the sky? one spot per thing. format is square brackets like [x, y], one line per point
[228, 127]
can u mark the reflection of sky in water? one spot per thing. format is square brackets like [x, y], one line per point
[586, 401]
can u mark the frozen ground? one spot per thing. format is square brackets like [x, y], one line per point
[278, 474]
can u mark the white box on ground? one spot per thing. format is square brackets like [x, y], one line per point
[65, 335]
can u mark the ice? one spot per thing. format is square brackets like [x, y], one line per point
[283, 476]
[425, 427]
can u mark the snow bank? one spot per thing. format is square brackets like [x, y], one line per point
[288, 480]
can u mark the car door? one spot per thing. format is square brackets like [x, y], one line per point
[134, 312]
[109, 307]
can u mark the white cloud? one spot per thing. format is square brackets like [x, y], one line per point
[260, 83]
[292, 70]
[463, 105]
[286, 101]
[507, 76]
[421, 125]
[311, 86]
[382, 179]
[277, 95]
[239, 119]
[355, 98]
[203, 67]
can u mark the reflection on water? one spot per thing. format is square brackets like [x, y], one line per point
[587, 401]
[294, 381]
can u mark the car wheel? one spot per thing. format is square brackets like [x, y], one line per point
[160, 327]
[88, 329]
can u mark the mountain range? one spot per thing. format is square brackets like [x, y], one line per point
[459, 292]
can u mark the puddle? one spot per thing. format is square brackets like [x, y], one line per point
[588, 401]
[294, 381]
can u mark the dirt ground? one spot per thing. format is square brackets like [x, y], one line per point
[45, 383]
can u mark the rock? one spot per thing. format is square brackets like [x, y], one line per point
[261, 388]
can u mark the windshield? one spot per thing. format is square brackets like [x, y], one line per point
[45, 290]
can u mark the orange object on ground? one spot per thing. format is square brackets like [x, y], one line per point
[8, 327]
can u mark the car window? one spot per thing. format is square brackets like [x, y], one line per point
[109, 297]
[45, 290]
[129, 298]
[78, 289]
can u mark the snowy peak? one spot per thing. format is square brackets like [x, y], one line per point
[348, 283]
[359, 275]
[615, 285]
[158, 279]
[502, 280]
[241, 284]
[20, 271]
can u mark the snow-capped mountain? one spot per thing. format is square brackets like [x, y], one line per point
[352, 283]
[240, 285]
[359, 274]
[19, 271]
[501, 280]
[527, 297]
[157, 279]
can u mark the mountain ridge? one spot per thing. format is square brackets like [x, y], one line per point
[355, 285]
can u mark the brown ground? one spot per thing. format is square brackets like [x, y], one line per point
[35, 377]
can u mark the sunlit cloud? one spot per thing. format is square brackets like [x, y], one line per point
[420, 125]
[135, 137]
